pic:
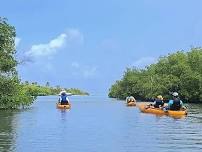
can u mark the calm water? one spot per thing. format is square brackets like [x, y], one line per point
[97, 124]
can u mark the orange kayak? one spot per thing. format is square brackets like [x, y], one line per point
[158, 111]
[131, 104]
[68, 106]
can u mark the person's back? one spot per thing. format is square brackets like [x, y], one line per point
[63, 98]
[175, 104]
[158, 102]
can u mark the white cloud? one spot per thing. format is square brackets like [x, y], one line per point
[58, 42]
[17, 41]
[145, 61]
[49, 48]
[53, 46]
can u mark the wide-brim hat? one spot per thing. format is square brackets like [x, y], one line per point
[63, 92]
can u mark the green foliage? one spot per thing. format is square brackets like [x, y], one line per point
[11, 93]
[75, 91]
[37, 90]
[181, 72]
[7, 47]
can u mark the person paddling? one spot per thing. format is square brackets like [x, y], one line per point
[63, 99]
[175, 104]
[158, 103]
[130, 99]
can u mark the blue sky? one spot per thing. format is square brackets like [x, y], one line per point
[88, 44]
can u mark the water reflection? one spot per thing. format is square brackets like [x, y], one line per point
[7, 132]
[64, 113]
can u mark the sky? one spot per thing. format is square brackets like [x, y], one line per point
[88, 44]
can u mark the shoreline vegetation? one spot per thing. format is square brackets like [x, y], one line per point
[178, 72]
[35, 89]
[13, 93]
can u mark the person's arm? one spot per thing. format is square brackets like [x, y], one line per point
[59, 99]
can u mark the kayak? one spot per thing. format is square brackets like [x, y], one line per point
[159, 111]
[131, 104]
[59, 106]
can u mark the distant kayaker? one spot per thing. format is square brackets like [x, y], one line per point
[175, 103]
[130, 99]
[63, 99]
[158, 103]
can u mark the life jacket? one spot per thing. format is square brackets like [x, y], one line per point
[176, 104]
[64, 98]
[158, 103]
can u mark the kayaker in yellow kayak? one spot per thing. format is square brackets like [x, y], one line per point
[175, 108]
[175, 104]
[158, 103]
[130, 99]
[63, 99]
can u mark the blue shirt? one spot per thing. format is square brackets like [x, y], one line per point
[171, 102]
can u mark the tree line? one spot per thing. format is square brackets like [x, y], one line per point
[180, 72]
[34, 89]
[12, 94]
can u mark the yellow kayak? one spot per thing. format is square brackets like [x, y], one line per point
[131, 104]
[67, 106]
[158, 111]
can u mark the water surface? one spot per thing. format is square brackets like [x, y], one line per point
[97, 124]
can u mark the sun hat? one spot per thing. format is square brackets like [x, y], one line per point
[175, 94]
[62, 92]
